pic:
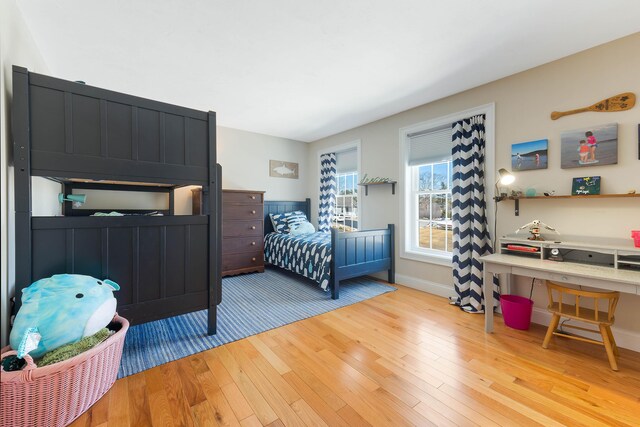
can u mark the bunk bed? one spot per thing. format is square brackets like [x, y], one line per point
[328, 258]
[86, 137]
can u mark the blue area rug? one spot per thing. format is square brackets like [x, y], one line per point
[251, 303]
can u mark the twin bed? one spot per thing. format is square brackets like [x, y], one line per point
[327, 258]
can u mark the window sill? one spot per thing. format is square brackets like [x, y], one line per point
[444, 260]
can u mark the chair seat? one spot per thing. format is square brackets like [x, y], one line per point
[586, 314]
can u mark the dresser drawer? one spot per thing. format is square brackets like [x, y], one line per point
[241, 244]
[241, 261]
[242, 212]
[241, 228]
[245, 198]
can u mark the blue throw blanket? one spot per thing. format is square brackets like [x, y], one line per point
[308, 255]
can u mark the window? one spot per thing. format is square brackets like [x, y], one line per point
[345, 216]
[431, 194]
[426, 184]
[428, 226]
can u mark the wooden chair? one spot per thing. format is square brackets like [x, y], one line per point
[565, 307]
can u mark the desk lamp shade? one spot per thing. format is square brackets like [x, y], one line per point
[505, 177]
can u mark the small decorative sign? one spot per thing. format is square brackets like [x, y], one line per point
[282, 169]
[585, 186]
[377, 180]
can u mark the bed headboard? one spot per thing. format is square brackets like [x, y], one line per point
[280, 206]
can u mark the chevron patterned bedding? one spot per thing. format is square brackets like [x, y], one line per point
[308, 255]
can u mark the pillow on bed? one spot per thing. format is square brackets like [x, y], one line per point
[296, 218]
[279, 221]
[301, 228]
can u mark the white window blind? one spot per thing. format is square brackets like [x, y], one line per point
[430, 146]
[347, 161]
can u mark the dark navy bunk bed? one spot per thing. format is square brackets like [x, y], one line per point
[328, 258]
[82, 136]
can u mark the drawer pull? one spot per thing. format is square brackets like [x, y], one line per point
[253, 243]
[253, 197]
[253, 227]
[253, 259]
[253, 212]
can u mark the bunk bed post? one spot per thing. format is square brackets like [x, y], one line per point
[335, 282]
[66, 206]
[392, 262]
[214, 225]
[22, 180]
[307, 206]
[172, 193]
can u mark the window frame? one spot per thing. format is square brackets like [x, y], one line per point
[356, 194]
[415, 200]
[409, 210]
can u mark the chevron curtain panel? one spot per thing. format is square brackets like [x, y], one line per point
[327, 191]
[471, 238]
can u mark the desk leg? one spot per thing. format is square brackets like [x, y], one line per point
[487, 290]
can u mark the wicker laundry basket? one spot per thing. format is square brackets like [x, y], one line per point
[57, 394]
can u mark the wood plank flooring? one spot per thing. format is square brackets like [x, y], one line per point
[403, 358]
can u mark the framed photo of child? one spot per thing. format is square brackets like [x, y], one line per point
[591, 146]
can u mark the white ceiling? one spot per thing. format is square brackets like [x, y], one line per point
[306, 69]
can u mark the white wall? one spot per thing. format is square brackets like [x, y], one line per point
[244, 157]
[16, 47]
[523, 104]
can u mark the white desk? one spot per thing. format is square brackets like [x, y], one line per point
[568, 272]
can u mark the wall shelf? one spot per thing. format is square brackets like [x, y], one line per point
[366, 186]
[591, 196]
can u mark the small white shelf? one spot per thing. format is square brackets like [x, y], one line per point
[615, 253]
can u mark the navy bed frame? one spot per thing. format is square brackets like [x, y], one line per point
[353, 254]
[69, 132]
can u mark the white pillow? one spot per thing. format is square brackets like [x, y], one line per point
[302, 228]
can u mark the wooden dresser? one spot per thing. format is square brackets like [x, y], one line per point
[242, 232]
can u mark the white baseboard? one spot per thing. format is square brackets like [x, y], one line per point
[426, 286]
[624, 337]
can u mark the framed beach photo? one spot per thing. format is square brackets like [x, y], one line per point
[529, 155]
[590, 146]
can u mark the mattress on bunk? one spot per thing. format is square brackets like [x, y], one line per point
[308, 255]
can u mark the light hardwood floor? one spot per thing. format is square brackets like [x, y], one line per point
[403, 358]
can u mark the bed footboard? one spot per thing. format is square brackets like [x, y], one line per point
[359, 253]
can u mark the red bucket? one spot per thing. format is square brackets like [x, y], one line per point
[516, 311]
[635, 235]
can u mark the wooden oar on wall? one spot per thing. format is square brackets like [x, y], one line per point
[624, 101]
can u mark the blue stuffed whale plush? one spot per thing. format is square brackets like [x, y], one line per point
[60, 310]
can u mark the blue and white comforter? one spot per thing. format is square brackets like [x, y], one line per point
[308, 255]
